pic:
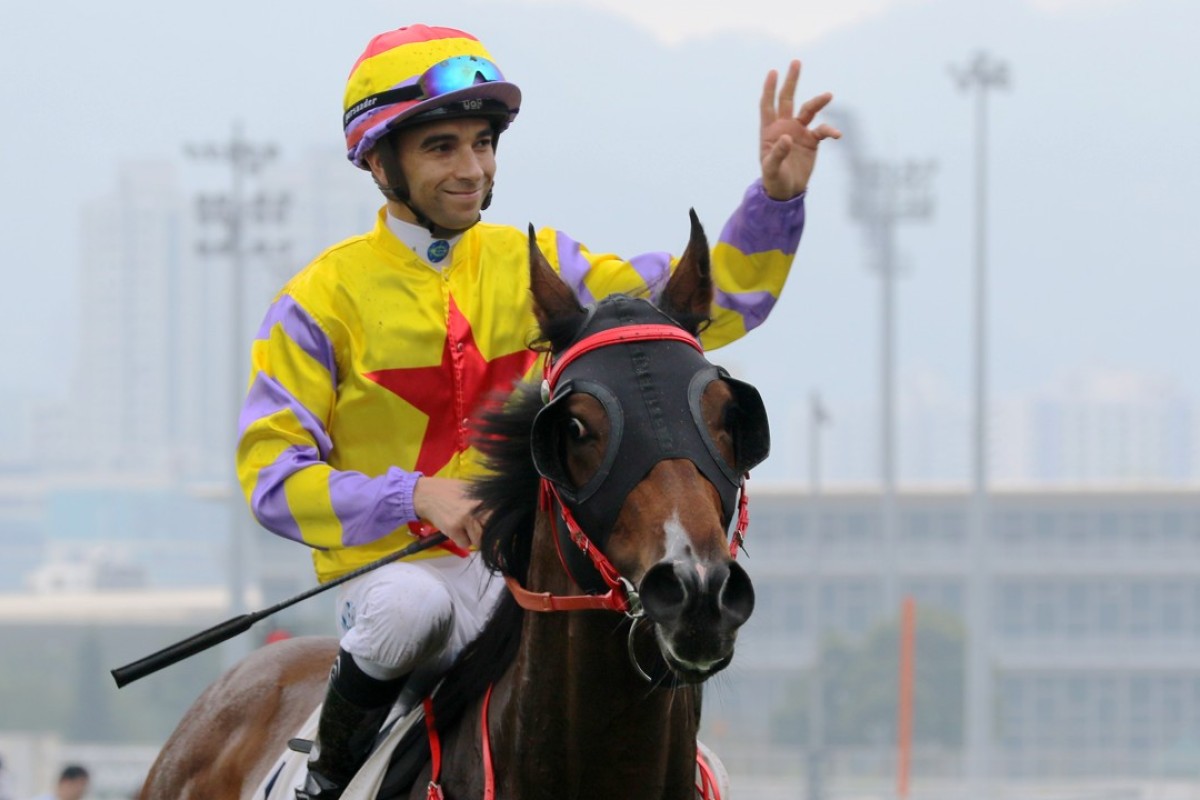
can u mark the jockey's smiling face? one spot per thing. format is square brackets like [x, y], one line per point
[449, 167]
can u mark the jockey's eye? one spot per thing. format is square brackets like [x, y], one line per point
[576, 429]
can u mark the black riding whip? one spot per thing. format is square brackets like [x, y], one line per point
[232, 627]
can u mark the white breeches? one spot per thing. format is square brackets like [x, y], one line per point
[416, 616]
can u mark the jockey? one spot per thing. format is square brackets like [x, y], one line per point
[354, 435]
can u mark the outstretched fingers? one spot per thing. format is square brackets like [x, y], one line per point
[766, 105]
[809, 110]
[787, 94]
[824, 131]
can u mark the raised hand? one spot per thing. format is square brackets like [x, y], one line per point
[788, 150]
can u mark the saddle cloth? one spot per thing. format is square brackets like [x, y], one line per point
[288, 772]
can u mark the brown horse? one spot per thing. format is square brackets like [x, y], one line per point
[618, 476]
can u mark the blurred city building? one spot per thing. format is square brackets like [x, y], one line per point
[136, 453]
[1094, 614]
[1097, 427]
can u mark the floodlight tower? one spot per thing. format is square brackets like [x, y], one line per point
[235, 218]
[883, 194]
[980, 75]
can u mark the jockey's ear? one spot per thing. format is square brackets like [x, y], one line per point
[688, 295]
[555, 305]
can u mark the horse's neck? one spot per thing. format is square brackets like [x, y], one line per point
[582, 722]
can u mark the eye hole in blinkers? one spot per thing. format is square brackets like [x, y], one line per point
[747, 418]
[553, 425]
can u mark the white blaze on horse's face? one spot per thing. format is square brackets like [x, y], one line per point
[694, 593]
[679, 545]
[677, 537]
[680, 553]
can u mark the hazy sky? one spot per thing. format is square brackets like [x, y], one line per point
[636, 111]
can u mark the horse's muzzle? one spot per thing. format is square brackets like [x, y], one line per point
[697, 609]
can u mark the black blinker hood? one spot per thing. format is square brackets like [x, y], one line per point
[651, 392]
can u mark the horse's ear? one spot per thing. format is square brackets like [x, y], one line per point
[556, 307]
[688, 295]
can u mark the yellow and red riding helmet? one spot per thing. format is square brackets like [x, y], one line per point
[417, 74]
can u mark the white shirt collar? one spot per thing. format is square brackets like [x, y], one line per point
[433, 251]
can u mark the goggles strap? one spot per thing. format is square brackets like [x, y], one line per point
[396, 189]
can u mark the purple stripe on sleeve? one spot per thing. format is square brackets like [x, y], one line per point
[302, 329]
[268, 501]
[654, 269]
[371, 508]
[753, 306]
[573, 267]
[761, 224]
[267, 397]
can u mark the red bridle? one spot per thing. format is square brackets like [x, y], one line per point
[621, 595]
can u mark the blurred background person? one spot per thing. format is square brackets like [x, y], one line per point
[5, 782]
[73, 784]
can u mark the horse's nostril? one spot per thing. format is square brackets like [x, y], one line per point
[737, 595]
[664, 595]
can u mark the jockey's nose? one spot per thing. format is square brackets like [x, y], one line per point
[469, 166]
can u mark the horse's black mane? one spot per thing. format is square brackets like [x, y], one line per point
[508, 495]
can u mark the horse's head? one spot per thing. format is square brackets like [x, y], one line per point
[646, 444]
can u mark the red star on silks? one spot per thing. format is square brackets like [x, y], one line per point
[453, 390]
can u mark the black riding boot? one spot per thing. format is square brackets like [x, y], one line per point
[356, 705]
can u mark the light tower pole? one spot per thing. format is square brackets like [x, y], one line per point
[980, 75]
[884, 193]
[233, 215]
[818, 418]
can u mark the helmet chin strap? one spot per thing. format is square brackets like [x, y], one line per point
[397, 189]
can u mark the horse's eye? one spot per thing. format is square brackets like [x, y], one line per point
[732, 418]
[577, 429]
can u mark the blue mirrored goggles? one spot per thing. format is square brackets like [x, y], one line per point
[451, 75]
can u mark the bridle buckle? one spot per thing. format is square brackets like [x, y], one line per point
[633, 600]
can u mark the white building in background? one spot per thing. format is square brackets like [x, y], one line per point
[1097, 427]
[153, 387]
[932, 428]
[933, 431]
[133, 331]
[152, 394]
[1093, 615]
